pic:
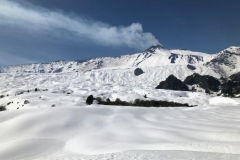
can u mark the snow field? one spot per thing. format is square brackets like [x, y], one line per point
[93, 130]
[72, 130]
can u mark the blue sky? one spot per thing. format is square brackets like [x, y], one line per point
[49, 30]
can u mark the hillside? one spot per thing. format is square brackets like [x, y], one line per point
[47, 116]
[165, 61]
[226, 62]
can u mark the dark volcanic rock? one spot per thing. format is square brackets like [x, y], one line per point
[235, 77]
[152, 49]
[191, 67]
[2, 108]
[138, 71]
[205, 81]
[26, 102]
[89, 100]
[173, 57]
[192, 59]
[173, 83]
[231, 88]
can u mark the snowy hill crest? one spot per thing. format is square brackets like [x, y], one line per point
[226, 62]
[223, 64]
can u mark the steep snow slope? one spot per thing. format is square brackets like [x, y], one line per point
[226, 62]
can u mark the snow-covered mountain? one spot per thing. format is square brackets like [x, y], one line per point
[223, 64]
[226, 62]
[47, 117]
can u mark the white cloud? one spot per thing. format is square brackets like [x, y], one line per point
[42, 20]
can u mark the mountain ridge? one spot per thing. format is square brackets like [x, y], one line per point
[155, 56]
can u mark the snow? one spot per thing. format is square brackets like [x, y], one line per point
[226, 62]
[73, 130]
[158, 58]
[206, 57]
[158, 155]
[222, 101]
[57, 123]
[233, 49]
[222, 64]
[80, 130]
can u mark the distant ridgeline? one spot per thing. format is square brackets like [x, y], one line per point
[222, 64]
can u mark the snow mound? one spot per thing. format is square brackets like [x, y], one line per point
[222, 101]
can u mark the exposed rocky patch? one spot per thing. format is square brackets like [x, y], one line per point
[173, 83]
[191, 67]
[89, 100]
[152, 49]
[138, 72]
[204, 81]
[26, 102]
[2, 108]
[192, 59]
[226, 62]
[231, 88]
[235, 77]
[9, 103]
[173, 57]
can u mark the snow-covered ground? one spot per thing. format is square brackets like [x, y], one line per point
[74, 131]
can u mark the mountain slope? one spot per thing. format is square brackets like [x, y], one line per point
[56, 123]
[222, 64]
[226, 62]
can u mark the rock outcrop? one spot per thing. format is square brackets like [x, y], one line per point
[231, 88]
[138, 71]
[204, 81]
[173, 83]
[235, 77]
